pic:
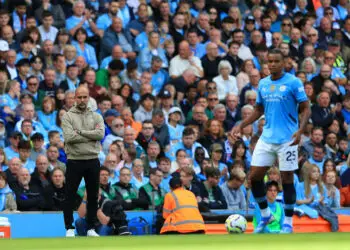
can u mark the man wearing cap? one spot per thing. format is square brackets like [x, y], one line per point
[116, 133]
[38, 146]
[166, 102]
[4, 48]
[159, 75]
[334, 47]
[11, 151]
[161, 131]
[180, 211]
[249, 26]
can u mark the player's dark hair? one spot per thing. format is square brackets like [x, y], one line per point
[276, 52]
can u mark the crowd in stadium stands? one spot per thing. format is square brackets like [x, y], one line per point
[171, 79]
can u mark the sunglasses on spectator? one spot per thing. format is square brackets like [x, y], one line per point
[211, 88]
[213, 99]
[118, 125]
[213, 12]
[287, 24]
[309, 35]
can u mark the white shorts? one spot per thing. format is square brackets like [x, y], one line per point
[265, 155]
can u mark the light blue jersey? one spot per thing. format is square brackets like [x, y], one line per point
[280, 100]
[175, 133]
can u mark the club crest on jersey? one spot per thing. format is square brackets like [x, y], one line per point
[272, 88]
[283, 88]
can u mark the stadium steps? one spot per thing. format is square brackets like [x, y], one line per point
[301, 225]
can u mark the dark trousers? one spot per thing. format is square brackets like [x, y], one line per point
[76, 170]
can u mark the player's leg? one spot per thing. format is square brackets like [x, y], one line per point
[288, 161]
[263, 157]
[74, 175]
[289, 196]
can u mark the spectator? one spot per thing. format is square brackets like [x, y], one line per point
[243, 77]
[136, 26]
[152, 49]
[81, 18]
[37, 140]
[113, 164]
[41, 175]
[233, 59]
[115, 34]
[210, 61]
[84, 49]
[71, 81]
[138, 179]
[47, 30]
[276, 208]
[318, 157]
[152, 155]
[312, 198]
[232, 191]
[19, 16]
[151, 193]
[10, 100]
[129, 121]
[22, 66]
[58, 184]
[127, 193]
[117, 132]
[211, 193]
[7, 197]
[322, 114]
[29, 196]
[24, 149]
[144, 112]
[184, 61]
[226, 83]
[146, 135]
[52, 156]
[161, 131]
[105, 20]
[333, 193]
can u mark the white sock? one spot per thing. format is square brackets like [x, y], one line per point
[288, 220]
[265, 212]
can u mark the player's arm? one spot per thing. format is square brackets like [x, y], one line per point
[305, 115]
[257, 113]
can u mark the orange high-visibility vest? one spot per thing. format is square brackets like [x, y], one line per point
[181, 213]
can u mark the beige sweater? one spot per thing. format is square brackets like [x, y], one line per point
[82, 132]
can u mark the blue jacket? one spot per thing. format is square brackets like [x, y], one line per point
[110, 39]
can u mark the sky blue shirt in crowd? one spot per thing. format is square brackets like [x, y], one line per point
[30, 165]
[158, 81]
[171, 154]
[280, 100]
[89, 54]
[104, 21]
[314, 193]
[146, 55]
[175, 133]
[10, 153]
[199, 50]
[141, 40]
[7, 101]
[74, 21]
[47, 120]
[137, 184]
[319, 164]
[165, 183]
[108, 59]
[21, 56]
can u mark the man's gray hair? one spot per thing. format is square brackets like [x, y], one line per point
[219, 106]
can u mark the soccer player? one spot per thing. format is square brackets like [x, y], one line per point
[279, 97]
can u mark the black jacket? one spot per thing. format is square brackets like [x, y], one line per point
[219, 203]
[133, 203]
[31, 199]
[235, 62]
[210, 68]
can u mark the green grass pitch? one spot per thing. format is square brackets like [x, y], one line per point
[325, 241]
